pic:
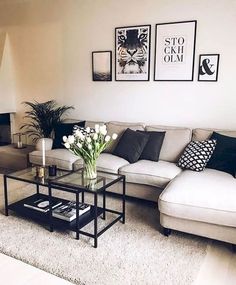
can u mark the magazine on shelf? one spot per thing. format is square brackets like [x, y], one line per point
[67, 211]
[41, 204]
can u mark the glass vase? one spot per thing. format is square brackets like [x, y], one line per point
[90, 169]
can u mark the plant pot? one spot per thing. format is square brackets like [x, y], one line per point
[48, 144]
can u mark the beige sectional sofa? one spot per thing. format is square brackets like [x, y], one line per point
[201, 203]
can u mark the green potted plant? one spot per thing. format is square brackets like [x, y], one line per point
[42, 119]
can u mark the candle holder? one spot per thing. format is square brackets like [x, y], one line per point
[19, 140]
[40, 172]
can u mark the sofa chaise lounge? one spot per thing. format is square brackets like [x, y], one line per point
[201, 203]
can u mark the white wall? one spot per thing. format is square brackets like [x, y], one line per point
[172, 103]
[51, 43]
[7, 77]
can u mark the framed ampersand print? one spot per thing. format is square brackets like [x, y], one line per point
[208, 67]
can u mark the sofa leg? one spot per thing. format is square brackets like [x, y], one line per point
[166, 232]
[234, 248]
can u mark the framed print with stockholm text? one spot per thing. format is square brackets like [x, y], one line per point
[132, 53]
[175, 51]
[208, 67]
[102, 65]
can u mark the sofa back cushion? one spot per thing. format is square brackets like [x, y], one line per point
[92, 124]
[119, 128]
[204, 134]
[175, 141]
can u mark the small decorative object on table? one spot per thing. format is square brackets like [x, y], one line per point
[52, 170]
[88, 144]
[40, 172]
[19, 140]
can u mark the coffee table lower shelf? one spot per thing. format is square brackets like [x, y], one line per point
[43, 218]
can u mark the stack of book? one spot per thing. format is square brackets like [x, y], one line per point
[41, 204]
[62, 210]
[67, 212]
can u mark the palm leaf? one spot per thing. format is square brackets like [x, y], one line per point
[42, 118]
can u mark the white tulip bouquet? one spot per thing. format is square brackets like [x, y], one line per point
[88, 144]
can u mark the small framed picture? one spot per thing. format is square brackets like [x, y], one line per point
[208, 67]
[132, 55]
[102, 65]
[175, 51]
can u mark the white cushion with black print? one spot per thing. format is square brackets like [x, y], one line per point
[196, 155]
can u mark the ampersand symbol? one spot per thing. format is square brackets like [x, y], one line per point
[206, 67]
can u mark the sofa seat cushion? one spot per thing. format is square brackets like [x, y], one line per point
[151, 173]
[110, 163]
[208, 196]
[62, 158]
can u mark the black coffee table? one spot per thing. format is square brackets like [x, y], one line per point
[27, 175]
[77, 183]
[72, 182]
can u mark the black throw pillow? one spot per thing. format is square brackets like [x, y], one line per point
[225, 161]
[224, 156]
[131, 145]
[64, 129]
[152, 149]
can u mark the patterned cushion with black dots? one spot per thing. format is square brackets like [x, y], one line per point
[196, 155]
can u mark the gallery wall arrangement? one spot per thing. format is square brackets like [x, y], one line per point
[174, 55]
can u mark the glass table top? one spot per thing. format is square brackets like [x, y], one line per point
[29, 175]
[78, 180]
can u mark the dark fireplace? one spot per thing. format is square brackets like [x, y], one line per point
[5, 129]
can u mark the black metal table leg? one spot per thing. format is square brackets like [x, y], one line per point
[82, 196]
[37, 188]
[5, 195]
[50, 208]
[123, 200]
[77, 214]
[104, 204]
[95, 221]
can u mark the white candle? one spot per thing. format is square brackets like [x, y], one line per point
[43, 151]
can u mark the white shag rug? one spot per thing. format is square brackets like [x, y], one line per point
[134, 253]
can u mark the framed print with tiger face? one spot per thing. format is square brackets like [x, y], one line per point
[132, 55]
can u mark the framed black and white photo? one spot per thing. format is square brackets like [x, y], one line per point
[102, 65]
[175, 51]
[132, 56]
[208, 67]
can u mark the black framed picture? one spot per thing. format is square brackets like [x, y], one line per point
[208, 67]
[175, 51]
[132, 53]
[102, 65]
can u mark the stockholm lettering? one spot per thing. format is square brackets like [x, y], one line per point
[174, 50]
